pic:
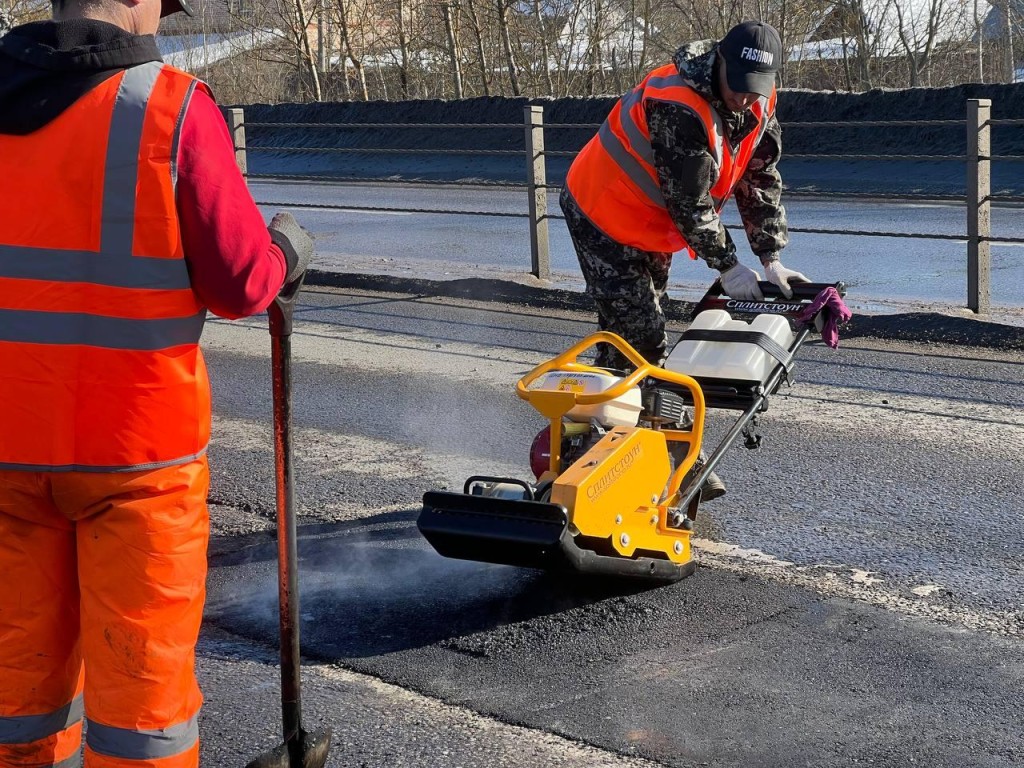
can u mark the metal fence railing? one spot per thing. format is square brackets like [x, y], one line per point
[978, 198]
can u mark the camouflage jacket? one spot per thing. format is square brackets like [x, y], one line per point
[686, 169]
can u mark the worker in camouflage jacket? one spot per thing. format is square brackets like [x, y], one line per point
[630, 201]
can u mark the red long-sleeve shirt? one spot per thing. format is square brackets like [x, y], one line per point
[235, 269]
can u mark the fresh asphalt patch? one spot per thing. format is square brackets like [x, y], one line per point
[723, 669]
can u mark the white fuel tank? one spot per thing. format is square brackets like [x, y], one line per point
[623, 411]
[730, 359]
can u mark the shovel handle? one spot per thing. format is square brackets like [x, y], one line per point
[280, 313]
[299, 749]
[282, 308]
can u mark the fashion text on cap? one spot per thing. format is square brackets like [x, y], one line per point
[761, 57]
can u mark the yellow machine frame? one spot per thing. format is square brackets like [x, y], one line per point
[623, 488]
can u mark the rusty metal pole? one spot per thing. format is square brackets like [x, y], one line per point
[536, 179]
[979, 206]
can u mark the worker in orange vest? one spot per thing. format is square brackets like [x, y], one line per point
[654, 180]
[125, 219]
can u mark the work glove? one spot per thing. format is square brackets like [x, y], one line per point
[780, 276]
[294, 242]
[740, 283]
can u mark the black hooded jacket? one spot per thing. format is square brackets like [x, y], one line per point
[46, 66]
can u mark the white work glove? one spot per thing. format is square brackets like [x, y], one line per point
[780, 276]
[740, 283]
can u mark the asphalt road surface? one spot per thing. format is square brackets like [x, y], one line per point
[879, 271]
[858, 600]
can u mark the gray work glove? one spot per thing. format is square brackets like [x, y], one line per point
[294, 241]
[740, 283]
[780, 276]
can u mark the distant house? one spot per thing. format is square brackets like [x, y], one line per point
[888, 28]
[194, 52]
[898, 33]
[219, 30]
[996, 27]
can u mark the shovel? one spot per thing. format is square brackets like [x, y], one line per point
[300, 749]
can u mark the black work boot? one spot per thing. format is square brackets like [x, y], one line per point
[713, 487]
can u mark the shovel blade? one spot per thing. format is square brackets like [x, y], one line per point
[311, 752]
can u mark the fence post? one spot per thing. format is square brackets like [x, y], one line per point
[236, 126]
[979, 207]
[536, 180]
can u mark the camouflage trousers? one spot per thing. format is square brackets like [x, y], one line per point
[627, 285]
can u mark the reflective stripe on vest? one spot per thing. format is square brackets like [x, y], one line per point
[119, 270]
[613, 179]
[99, 326]
[97, 331]
[646, 180]
[141, 745]
[24, 729]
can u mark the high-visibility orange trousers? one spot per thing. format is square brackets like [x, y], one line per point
[103, 584]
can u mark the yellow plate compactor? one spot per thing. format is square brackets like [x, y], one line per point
[619, 468]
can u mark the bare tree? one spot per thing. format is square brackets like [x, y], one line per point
[979, 33]
[567, 48]
[302, 32]
[1008, 10]
[453, 49]
[289, 23]
[862, 21]
[403, 49]
[639, 65]
[424, 48]
[481, 55]
[783, 28]
[596, 34]
[506, 41]
[545, 51]
[917, 27]
[350, 51]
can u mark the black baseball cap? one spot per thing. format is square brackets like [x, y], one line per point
[167, 7]
[753, 54]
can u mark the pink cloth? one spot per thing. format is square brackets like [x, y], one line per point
[834, 313]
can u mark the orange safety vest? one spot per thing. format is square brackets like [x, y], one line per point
[613, 179]
[100, 367]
